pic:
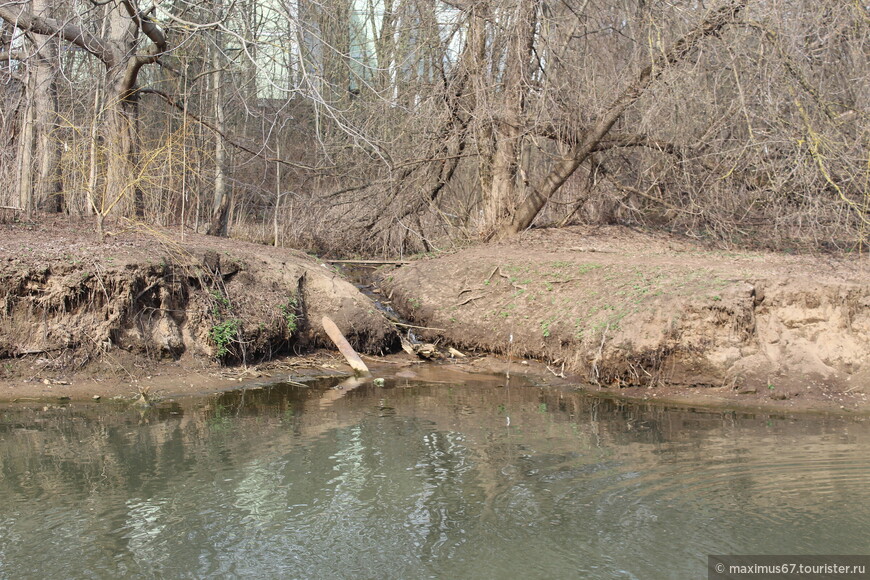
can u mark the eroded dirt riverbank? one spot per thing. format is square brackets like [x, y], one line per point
[655, 315]
[150, 303]
[621, 313]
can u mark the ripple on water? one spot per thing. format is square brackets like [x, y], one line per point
[438, 487]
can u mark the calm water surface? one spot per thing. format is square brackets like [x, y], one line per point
[419, 480]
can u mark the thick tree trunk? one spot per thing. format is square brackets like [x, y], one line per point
[121, 142]
[502, 195]
[335, 32]
[47, 190]
[121, 122]
[221, 205]
[91, 206]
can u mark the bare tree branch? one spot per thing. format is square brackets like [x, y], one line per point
[50, 27]
[537, 198]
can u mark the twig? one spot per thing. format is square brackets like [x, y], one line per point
[469, 299]
[146, 290]
[598, 356]
[392, 262]
[294, 383]
[39, 351]
[560, 374]
[510, 280]
[420, 327]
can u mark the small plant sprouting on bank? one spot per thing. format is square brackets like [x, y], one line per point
[225, 330]
[290, 313]
[223, 334]
[545, 328]
[219, 302]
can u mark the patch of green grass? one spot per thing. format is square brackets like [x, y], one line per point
[415, 303]
[219, 298]
[579, 328]
[583, 268]
[545, 327]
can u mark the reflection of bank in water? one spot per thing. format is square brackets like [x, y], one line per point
[425, 479]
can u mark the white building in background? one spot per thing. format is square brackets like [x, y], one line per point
[288, 45]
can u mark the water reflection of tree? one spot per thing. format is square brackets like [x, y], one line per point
[420, 459]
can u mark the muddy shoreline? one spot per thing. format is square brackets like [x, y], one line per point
[639, 316]
[172, 383]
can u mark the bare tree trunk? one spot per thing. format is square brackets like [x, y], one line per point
[501, 197]
[47, 191]
[93, 158]
[277, 199]
[221, 205]
[336, 62]
[25, 151]
[122, 150]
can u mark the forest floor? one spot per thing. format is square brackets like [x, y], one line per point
[622, 313]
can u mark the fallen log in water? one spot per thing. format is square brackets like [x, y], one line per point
[344, 347]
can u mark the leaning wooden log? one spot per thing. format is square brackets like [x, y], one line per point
[344, 347]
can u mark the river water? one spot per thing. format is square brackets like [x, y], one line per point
[419, 480]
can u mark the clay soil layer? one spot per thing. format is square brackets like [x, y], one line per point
[655, 315]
